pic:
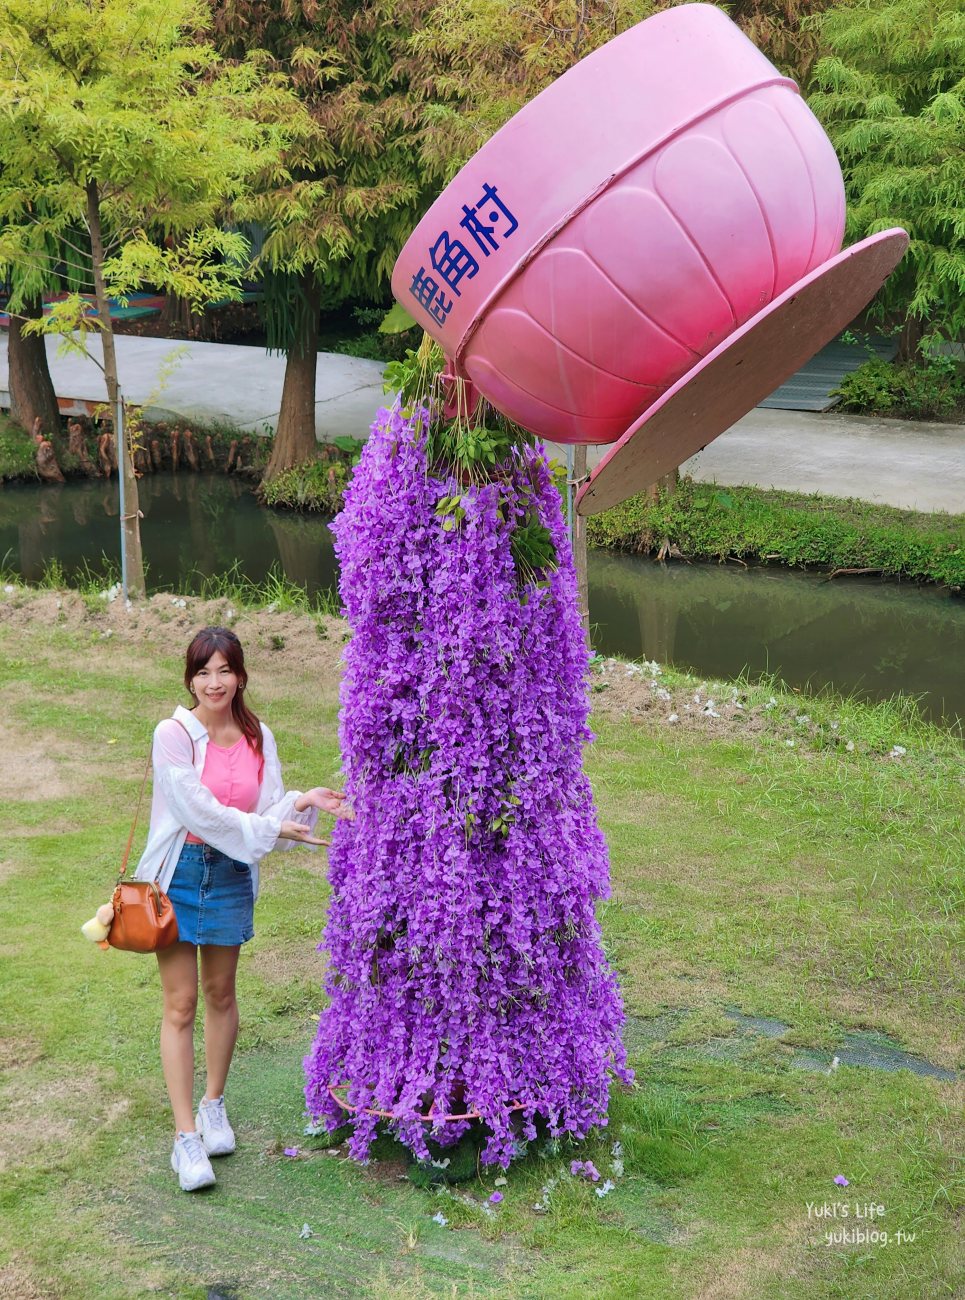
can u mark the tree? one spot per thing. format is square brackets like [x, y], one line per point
[357, 183]
[484, 59]
[32, 395]
[892, 98]
[114, 122]
[777, 27]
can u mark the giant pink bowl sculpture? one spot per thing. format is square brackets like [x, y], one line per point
[630, 246]
[622, 224]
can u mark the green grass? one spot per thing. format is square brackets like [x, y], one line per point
[819, 885]
[275, 591]
[17, 452]
[710, 522]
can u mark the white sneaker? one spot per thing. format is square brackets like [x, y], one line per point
[216, 1133]
[190, 1162]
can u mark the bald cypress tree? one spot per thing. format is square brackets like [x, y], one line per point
[892, 98]
[352, 190]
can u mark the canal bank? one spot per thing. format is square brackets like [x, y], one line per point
[856, 634]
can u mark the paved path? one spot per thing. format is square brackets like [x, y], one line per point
[217, 381]
[911, 465]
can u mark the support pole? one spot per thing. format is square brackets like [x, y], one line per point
[570, 491]
[120, 449]
[579, 536]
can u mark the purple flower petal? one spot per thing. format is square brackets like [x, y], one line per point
[291, 1151]
[841, 1180]
[496, 1198]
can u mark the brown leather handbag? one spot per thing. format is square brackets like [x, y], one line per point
[144, 919]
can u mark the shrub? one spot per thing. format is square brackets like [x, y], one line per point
[317, 485]
[18, 457]
[930, 389]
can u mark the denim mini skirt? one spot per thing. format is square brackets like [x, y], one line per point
[212, 897]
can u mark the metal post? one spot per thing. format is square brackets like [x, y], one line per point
[570, 491]
[121, 451]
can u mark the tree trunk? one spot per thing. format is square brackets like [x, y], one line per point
[125, 465]
[31, 388]
[579, 539]
[666, 485]
[177, 316]
[295, 441]
[912, 334]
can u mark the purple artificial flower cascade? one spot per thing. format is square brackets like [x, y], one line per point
[466, 968]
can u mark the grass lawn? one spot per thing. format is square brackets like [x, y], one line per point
[783, 860]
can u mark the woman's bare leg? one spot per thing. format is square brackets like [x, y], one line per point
[179, 980]
[219, 963]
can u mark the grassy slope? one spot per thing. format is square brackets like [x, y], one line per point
[812, 884]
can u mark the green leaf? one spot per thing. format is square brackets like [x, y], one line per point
[396, 320]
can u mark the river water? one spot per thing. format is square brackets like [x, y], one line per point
[856, 635]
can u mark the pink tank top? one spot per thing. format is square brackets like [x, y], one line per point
[232, 777]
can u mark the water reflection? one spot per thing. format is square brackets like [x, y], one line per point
[864, 636]
[858, 634]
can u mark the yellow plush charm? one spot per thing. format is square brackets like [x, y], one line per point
[98, 927]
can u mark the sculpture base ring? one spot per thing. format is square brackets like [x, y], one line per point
[429, 1118]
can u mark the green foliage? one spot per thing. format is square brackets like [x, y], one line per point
[415, 374]
[482, 60]
[777, 28]
[315, 486]
[275, 592]
[106, 103]
[396, 321]
[800, 531]
[356, 183]
[929, 389]
[17, 453]
[892, 98]
[373, 341]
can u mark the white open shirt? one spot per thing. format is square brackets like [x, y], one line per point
[180, 803]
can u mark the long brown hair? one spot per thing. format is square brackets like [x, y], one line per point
[210, 641]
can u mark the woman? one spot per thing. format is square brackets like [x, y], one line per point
[218, 807]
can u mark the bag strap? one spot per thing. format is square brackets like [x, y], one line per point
[140, 797]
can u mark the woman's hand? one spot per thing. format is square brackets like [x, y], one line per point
[325, 800]
[298, 831]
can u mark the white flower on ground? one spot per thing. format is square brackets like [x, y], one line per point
[710, 710]
[771, 703]
[661, 693]
[607, 1187]
[802, 719]
[897, 751]
[9, 588]
[790, 744]
[850, 746]
[440, 1218]
[834, 724]
[673, 717]
[306, 1232]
